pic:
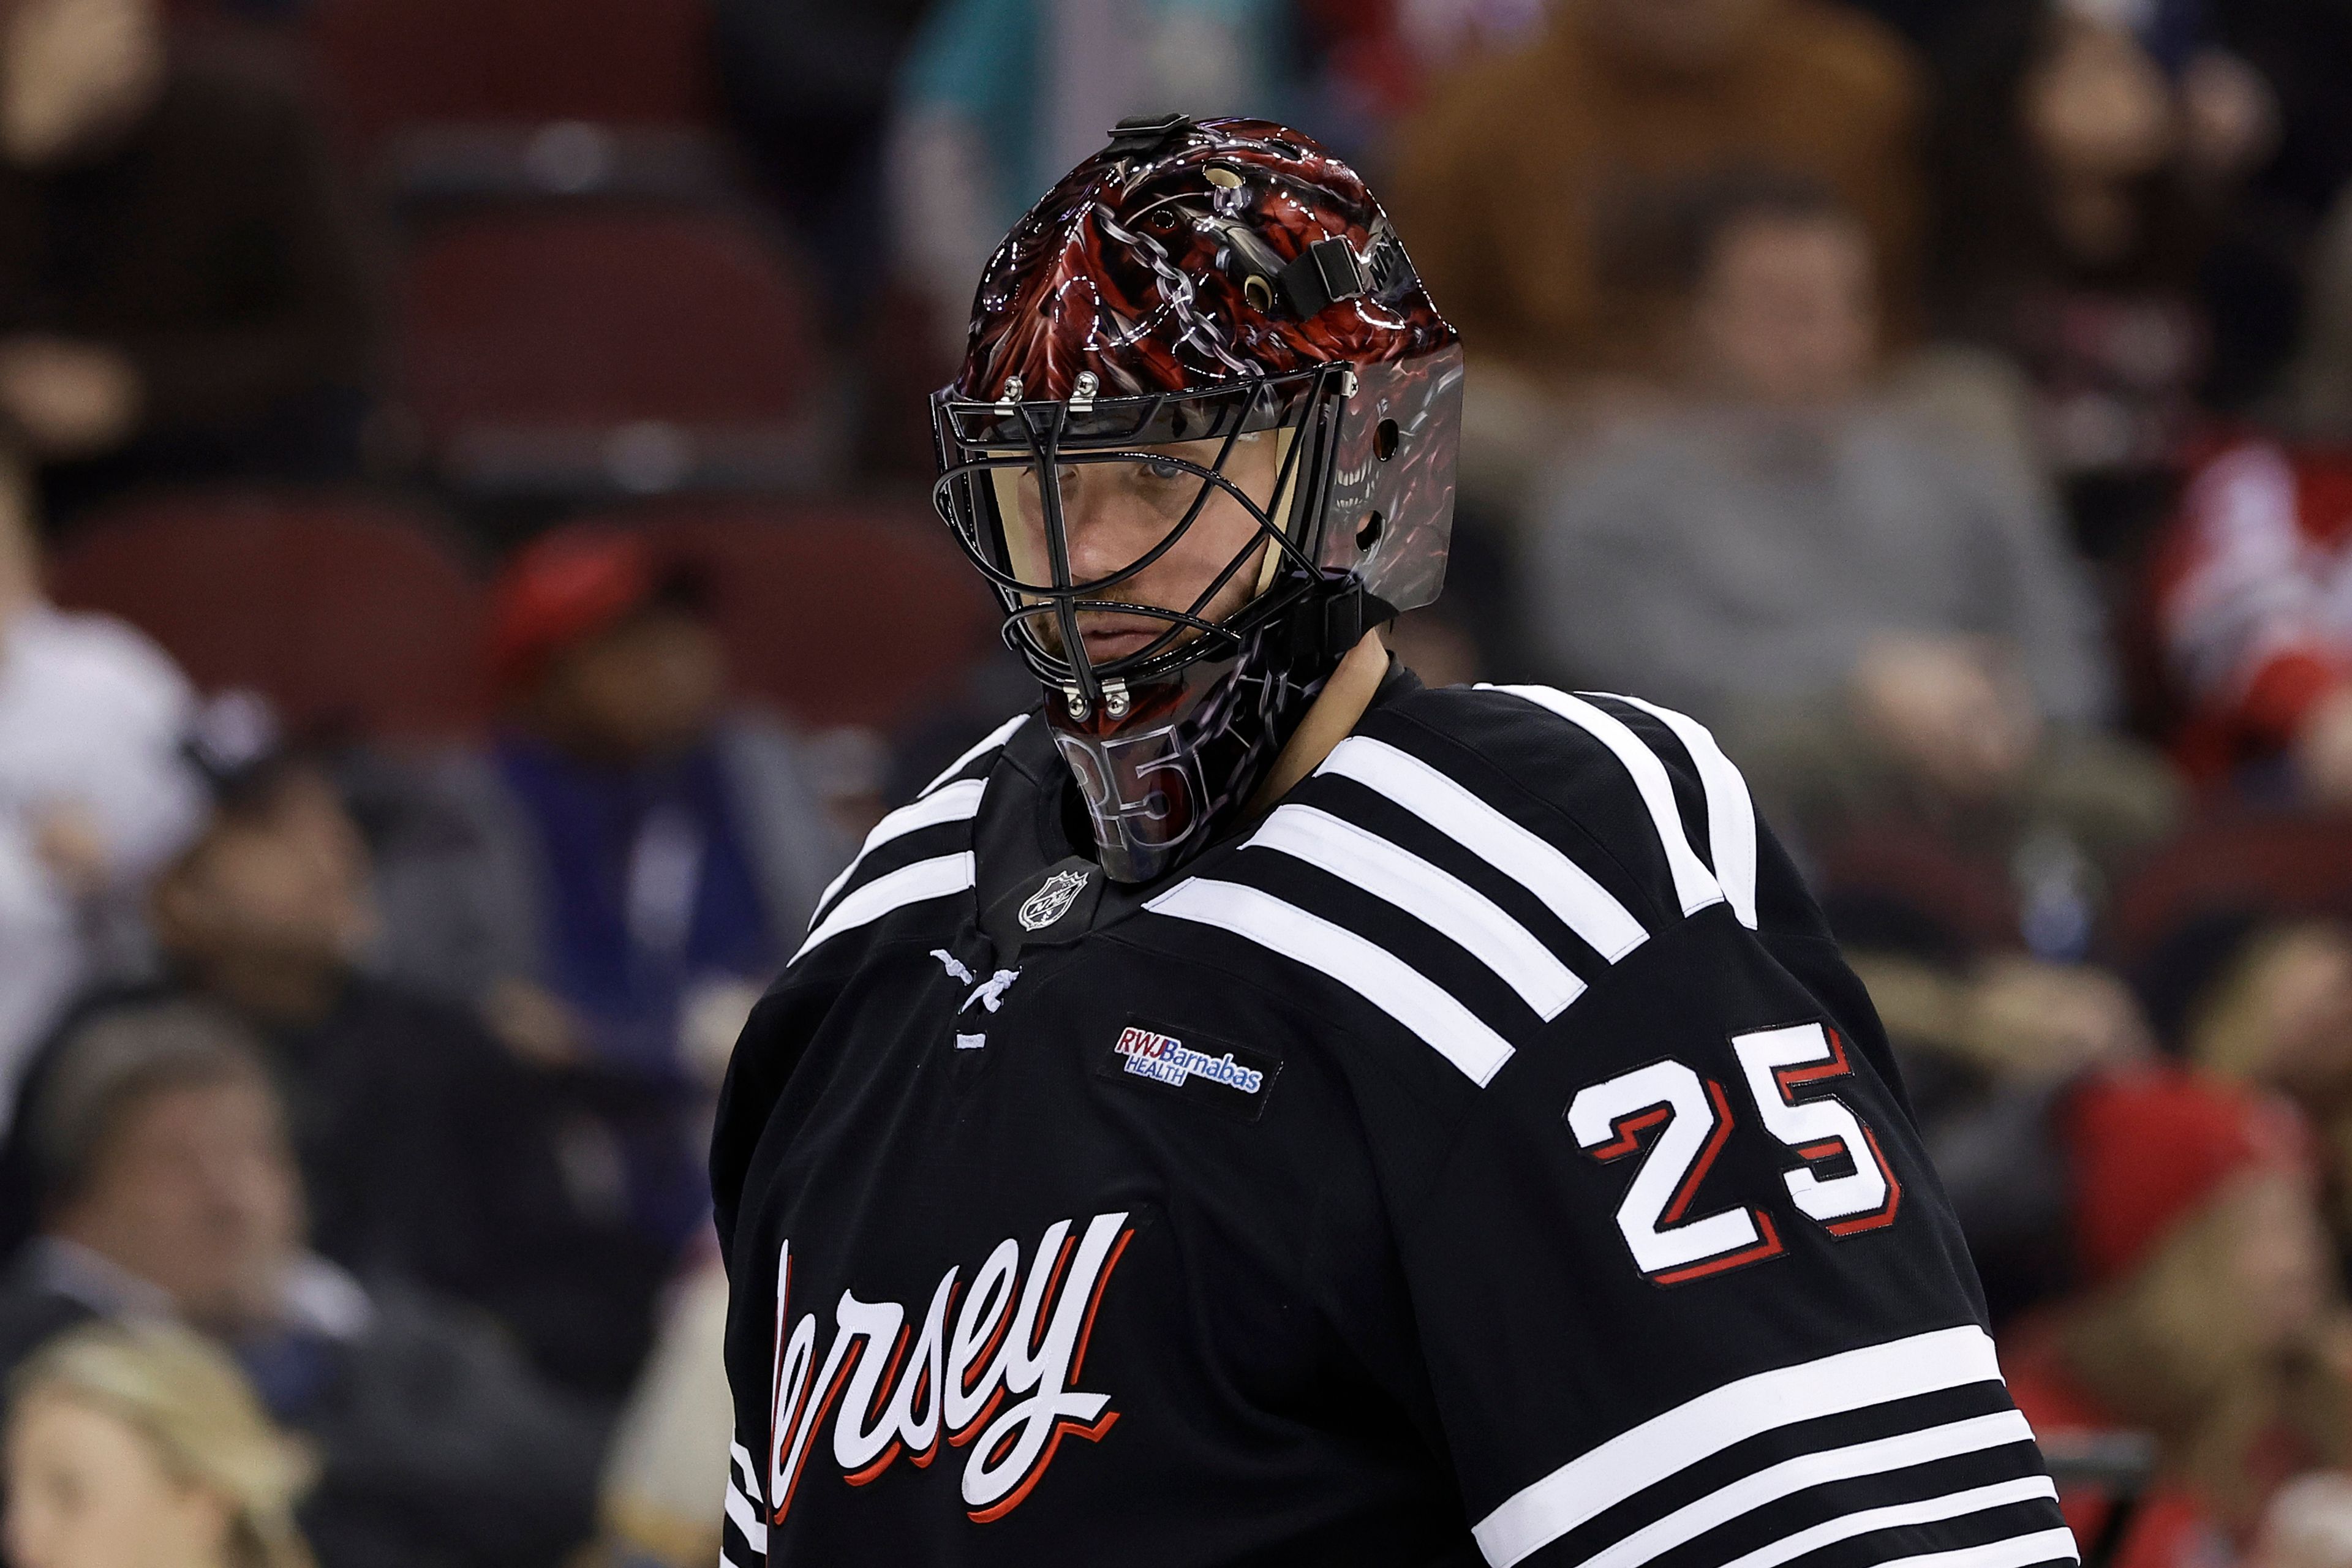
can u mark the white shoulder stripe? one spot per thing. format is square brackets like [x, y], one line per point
[933, 878]
[1436, 896]
[1695, 885]
[1926, 1510]
[1583, 905]
[1380, 978]
[1731, 815]
[989, 742]
[959, 802]
[1687, 1524]
[2018, 1552]
[1636, 1459]
[746, 1515]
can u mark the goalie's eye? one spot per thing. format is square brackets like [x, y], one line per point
[1165, 468]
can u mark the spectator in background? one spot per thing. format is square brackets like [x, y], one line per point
[1869, 607]
[2082, 185]
[641, 858]
[807, 84]
[2207, 1314]
[998, 97]
[181, 291]
[2250, 589]
[171, 1192]
[430, 1153]
[675, 1432]
[2265, 1001]
[93, 795]
[1534, 187]
[145, 1445]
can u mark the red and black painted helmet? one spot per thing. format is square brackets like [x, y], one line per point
[1208, 283]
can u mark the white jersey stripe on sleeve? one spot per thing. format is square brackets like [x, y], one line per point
[1396, 988]
[1695, 885]
[1640, 1457]
[1433, 896]
[1894, 1515]
[1583, 905]
[989, 742]
[745, 1514]
[933, 878]
[740, 1457]
[960, 801]
[2017, 1551]
[1730, 814]
[1789, 1477]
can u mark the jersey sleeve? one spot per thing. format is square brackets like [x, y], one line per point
[1688, 1291]
[1685, 1285]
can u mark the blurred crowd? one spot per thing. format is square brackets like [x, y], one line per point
[466, 584]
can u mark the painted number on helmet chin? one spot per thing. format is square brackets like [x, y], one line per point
[1678, 1122]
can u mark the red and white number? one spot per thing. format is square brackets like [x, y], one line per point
[1682, 1122]
[1685, 1122]
[1778, 1063]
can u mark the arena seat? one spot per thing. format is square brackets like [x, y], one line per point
[397, 63]
[612, 348]
[350, 614]
[835, 612]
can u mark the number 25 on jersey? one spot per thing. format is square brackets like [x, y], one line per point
[1684, 1120]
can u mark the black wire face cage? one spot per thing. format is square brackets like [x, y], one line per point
[986, 449]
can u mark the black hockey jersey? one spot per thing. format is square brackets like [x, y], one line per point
[1482, 1157]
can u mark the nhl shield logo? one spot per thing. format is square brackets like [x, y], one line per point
[1051, 900]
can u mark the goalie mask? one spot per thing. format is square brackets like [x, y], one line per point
[1202, 439]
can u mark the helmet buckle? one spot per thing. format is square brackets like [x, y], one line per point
[1142, 134]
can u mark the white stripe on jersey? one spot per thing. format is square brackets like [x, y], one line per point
[745, 1514]
[1894, 1515]
[1396, 988]
[1435, 897]
[1695, 885]
[1688, 1523]
[1731, 815]
[934, 878]
[2017, 1551]
[1583, 905]
[1639, 1458]
[960, 801]
[742, 1458]
[989, 742]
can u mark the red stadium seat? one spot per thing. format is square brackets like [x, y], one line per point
[406, 62]
[553, 347]
[836, 613]
[346, 614]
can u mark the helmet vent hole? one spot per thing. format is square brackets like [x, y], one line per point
[1369, 533]
[1384, 440]
[1258, 291]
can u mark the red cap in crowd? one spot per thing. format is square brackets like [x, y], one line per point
[2150, 1146]
[562, 588]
